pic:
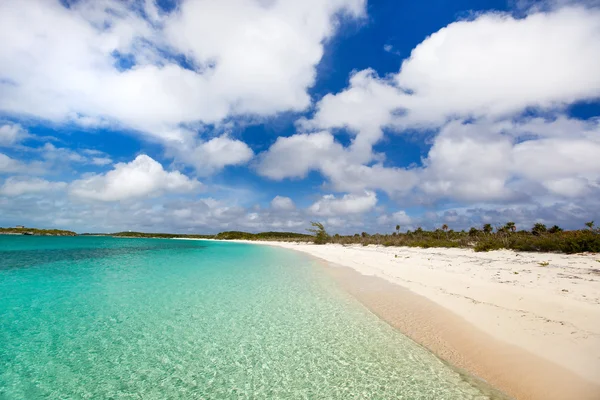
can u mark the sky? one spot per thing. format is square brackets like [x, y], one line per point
[199, 116]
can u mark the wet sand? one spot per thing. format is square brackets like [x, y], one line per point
[516, 372]
[526, 323]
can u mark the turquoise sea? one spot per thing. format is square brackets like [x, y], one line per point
[108, 318]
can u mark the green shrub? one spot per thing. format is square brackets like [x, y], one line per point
[321, 236]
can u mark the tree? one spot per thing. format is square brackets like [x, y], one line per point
[555, 229]
[590, 225]
[397, 228]
[321, 236]
[487, 228]
[445, 229]
[538, 229]
[510, 226]
[473, 232]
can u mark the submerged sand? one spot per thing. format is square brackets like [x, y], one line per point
[527, 323]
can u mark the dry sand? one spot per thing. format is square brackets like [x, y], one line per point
[529, 329]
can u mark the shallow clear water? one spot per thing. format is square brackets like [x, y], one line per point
[95, 317]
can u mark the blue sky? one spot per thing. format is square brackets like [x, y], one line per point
[202, 116]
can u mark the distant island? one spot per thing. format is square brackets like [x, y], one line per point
[229, 235]
[21, 230]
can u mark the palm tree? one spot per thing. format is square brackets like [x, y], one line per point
[487, 228]
[397, 228]
[510, 226]
[555, 229]
[590, 225]
[445, 229]
[538, 229]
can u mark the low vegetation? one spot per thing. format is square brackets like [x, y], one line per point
[152, 235]
[321, 236]
[283, 236]
[229, 235]
[36, 232]
[538, 239]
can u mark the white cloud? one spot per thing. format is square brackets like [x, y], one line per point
[282, 203]
[469, 163]
[397, 218]
[297, 155]
[11, 134]
[497, 65]
[485, 71]
[59, 157]
[8, 165]
[364, 108]
[329, 205]
[492, 66]
[244, 56]
[17, 186]
[100, 161]
[215, 154]
[486, 161]
[140, 178]
[60, 154]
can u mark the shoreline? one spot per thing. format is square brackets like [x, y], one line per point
[528, 329]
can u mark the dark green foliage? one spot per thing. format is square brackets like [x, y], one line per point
[321, 236]
[538, 229]
[488, 245]
[237, 235]
[590, 225]
[36, 232]
[506, 237]
[230, 235]
[555, 229]
[155, 235]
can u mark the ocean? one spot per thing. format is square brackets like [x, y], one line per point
[115, 318]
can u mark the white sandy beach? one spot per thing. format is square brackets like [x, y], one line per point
[548, 313]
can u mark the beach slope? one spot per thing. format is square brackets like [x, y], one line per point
[528, 323]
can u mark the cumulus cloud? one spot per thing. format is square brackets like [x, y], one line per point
[99, 62]
[8, 165]
[11, 134]
[397, 218]
[469, 83]
[17, 186]
[282, 203]
[493, 66]
[101, 161]
[297, 155]
[214, 154]
[502, 161]
[140, 178]
[329, 205]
